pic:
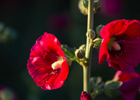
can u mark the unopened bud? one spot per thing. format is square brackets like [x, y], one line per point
[96, 4]
[111, 88]
[98, 30]
[79, 53]
[91, 34]
[82, 8]
[83, 47]
[85, 3]
[97, 43]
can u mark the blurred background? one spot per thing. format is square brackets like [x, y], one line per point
[23, 21]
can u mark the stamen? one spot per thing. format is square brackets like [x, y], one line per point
[116, 46]
[57, 64]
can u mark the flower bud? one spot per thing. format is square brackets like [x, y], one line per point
[82, 8]
[79, 53]
[90, 34]
[111, 88]
[97, 43]
[98, 30]
[85, 3]
[95, 2]
[83, 47]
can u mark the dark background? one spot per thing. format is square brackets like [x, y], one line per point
[31, 18]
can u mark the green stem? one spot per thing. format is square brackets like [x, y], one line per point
[87, 67]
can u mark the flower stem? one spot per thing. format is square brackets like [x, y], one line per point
[87, 66]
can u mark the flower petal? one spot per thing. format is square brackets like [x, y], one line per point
[44, 53]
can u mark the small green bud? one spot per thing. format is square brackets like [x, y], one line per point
[85, 3]
[98, 30]
[79, 53]
[111, 88]
[97, 43]
[83, 47]
[82, 8]
[96, 4]
[96, 86]
[90, 34]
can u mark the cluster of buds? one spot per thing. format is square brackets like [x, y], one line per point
[83, 6]
[80, 53]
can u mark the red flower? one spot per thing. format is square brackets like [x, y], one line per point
[47, 64]
[131, 83]
[85, 96]
[121, 44]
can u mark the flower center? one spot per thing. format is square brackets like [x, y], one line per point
[57, 64]
[116, 46]
[113, 44]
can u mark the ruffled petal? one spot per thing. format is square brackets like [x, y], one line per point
[131, 83]
[85, 96]
[44, 53]
[130, 88]
[126, 33]
[103, 50]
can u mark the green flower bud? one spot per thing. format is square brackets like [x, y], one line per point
[96, 86]
[85, 3]
[90, 34]
[79, 53]
[97, 43]
[98, 30]
[82, 8]
[111, 88]
[95, 2]
[83, 47]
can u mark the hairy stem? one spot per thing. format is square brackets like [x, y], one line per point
[87, 66]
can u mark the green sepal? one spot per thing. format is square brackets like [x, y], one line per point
[96, 86]
[68, 51]
[111, 88]
[97, 43]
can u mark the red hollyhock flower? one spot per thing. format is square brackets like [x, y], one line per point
[121, 44]
[131, 83]
[85, 96]
[47, 64]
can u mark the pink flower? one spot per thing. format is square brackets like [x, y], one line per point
[47, 64]
[131, 83]
[121, 44]
[85, 96]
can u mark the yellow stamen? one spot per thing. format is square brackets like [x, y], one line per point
[57, 64]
